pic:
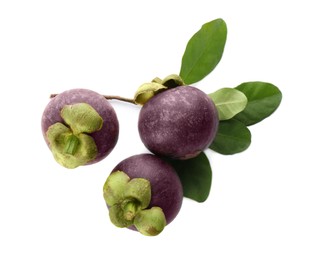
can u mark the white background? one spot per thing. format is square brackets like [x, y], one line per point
[264, 202]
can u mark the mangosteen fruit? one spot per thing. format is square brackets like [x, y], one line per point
[144, 193]
[178, 123]
[80, 127]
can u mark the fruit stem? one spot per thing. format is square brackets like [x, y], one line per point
[128, 100]
[71, 145]
[130, 210]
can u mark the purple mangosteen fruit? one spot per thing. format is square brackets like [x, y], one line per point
[178, 123]
[80, 127]
[143, 192]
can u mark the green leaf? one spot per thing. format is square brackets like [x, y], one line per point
[232, 137]
[147, 91]
[195, 175]
[263, 99]
[228, 102]
[203, 51]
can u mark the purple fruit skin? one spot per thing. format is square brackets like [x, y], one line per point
[106, 138]
[178, 123]
[166, 188]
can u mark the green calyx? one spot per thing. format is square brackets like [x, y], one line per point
[82, 118]
[147, 90]
[128, 200]
[71, 145]
[150, 222]
[173, 81]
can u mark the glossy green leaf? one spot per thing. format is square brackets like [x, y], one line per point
[228, 102]
[232, 137]
[203, 51]
[195, 175]
[263, 99]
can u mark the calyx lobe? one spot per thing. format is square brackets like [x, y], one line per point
[70, 144]
[128, 201]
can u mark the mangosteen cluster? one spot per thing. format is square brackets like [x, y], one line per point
[143, 192]
[177, 122]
